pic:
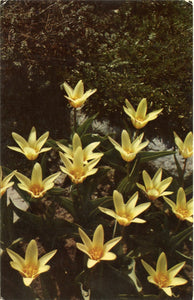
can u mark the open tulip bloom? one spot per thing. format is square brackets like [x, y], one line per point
[163, 278]
[5, 183]
[155, 188]
[35, 186]
[31, 266]
[31, 148]
[126, 214]
[186, 147]
[182, 209]
[88, 153]
[139, 118]
[128, 149]
[96, 249]
[77, 169]
[76, 96]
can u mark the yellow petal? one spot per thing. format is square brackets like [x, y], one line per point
[132, 202]
[147, 180]
[82, 248]
[109, 256]
[36, 177]
[68, 89]
[118, 202]
[181, 198]
[125, 140]
[23, 179]
[157, 177]
[110, 244]
[161, 266]
[45, 258]
[98, 238]
[31, 255]
[168, 291]
[42, 140]
[178, 281]
[27, 281]
[19, 140]
[86, 240]
[148, 268]
[17, 259]
[142, 109]
[107, 211]
[32, 137]
[78, 90]
[91, 263]
[76, 142]
[174, 270]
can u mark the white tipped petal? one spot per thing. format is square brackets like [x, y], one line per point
[27, 281]
[19, 140]
[31, 255]
[118, 202]
[86, 240]
[32, 137]
[91, 263]
[36, 177]
[109, 256]
[161, 266]
[45, 258]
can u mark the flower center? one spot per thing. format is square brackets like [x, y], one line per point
[96, 253]
[30, 271]
[77, 174]
[183, 213]
[36, 189]
[124, 219]
[153, 194]
[30, 153]
[162, 280]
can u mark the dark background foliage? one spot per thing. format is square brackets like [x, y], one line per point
[125, 49]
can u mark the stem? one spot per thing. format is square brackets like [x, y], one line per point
[128, 170]
[74, 119]
[114, 230]
[184, 168]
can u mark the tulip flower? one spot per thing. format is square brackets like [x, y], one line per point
[128, 149]
[163, 278]
[155, 188]
[31, 148]
[76, 96]
[139, 118]
[88, 153]
[182, 209]
[77, 170]
[35, 186]
[126, 214]
[186, 147]
[31, 266]
[96, 249]
[5, 183]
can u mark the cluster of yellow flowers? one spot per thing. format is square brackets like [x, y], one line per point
[79, 163]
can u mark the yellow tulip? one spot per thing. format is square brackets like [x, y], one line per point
[186, 147]
[5, 183]
[128, 149]
[182, 209]
[155, 188]
[31, 148]
[30, 267]
[126, 214]
[96, 249]
[88, 153]
[35, 186]
[139, 118]
[76, 96]
[77, 169]
[163, 278]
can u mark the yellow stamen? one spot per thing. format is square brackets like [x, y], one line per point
[96, 253]
[183, 213]
[30, 271]
[162, 280]
[36, 189]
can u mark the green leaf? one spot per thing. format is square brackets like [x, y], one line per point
[56, 191]
[179, 169]
[189, 190]
[148, 156]
[128, 183]
[180, 237]
[82, 129]
[184, 256]
[28, 217]
[98, 202]
[66, 203]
